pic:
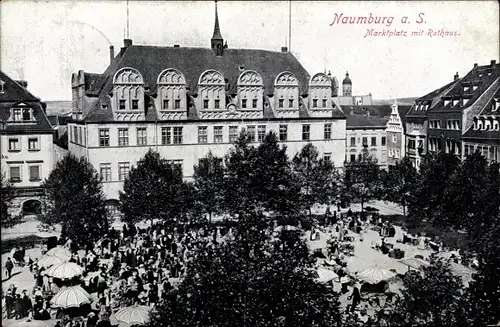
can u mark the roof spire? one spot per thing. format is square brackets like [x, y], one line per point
[217, 35]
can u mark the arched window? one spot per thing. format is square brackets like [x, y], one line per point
[212, 90]
[250, 90]
[128, 90]
[32, 207]
[171, 90]
[286, 92]
[319, 92]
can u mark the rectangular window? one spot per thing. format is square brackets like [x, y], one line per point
[165, 104]
[177, 135]
[176, 165]
[233, 134]
[315, 103]
[324, 103]
[283, 132]
[15, 174]
[122, 104]
[135, 104]
[327, 156]
[243, 103]
[261, 133]
[34, 173]
[177, 104]
[374, 141]
[142, 136]
[14, 145]
[33, 144]
[75, 134]
[280, 103]
[105, 171]
[328, 131]
[383, 141]
[254, 103]
[122, 136]
[411, 144]
[353, 141]
[306, 132]
[217, 134]
[217, 104]
[205, 104]
[251, 133]
[80, 135]
[16, 114]
[166, 135]
[26, 114]
[123, 170]
[104, 137]
[353, 157]
[290, 103]
[365, 141]
[394, 139]
[202, 134]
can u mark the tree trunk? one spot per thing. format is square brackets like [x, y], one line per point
[362, 206]
[210, 217]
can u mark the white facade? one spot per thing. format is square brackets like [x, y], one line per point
[373, 139]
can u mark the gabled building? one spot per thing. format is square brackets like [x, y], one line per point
[184, 102]
[26, 146]
[453, 114]
[416, 123]
[395, 130]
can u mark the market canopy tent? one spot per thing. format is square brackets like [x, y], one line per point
[70, 297]
[137, 314]
[65, 270]
[376, 275]
[49, 260]
[60, 252]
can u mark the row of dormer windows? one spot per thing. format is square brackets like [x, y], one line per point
[323, 103]
[486, 124]
[21, 114]
[454, 102]
[421, 107]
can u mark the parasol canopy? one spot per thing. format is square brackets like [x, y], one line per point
[49, 260]
[60, 252]
[65, 270]
[137, 314]
[415, 263]
[325, 275]
[70, 297]
[376, 275]
[286, 227]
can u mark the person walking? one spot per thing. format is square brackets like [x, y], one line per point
[9, 266]
[356, 298]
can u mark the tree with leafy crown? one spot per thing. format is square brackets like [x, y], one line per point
[400, 182]
[75, 199]
[7, 193]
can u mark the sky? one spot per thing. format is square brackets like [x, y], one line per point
[44, 42]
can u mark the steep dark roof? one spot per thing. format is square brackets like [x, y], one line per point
[354, 121]
[482, 76]
[430, 98]
[14, 94]
[150, 61]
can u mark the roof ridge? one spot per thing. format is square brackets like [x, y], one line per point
[493, 89]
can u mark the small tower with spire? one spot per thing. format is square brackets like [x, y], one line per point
[217, 42]
[347, 85]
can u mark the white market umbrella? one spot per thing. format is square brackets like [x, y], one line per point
[65, 270]
[415, 263]
[287, 227]
[70, 297]
[137, 314]
[48, 261]
[60, 252]
[376, 275]
[325, 275]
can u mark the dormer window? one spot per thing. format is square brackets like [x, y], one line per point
[26, 114]
[474, 87]
[464, 101]
[104, 106]
[16, 114]
[496, 105]
[135, 104]
[122, 105]
[243, 103]
[466, 88]
[455, 102]
[426, 107]
[2, 88]
[446, 102]
[315, 103]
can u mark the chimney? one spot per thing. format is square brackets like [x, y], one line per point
[475, 65]
[368, 113]
[492, 63]
[176, 46]
[111, 53]
[351, 111]
[456, 76]
[284, 49]
[127, 43]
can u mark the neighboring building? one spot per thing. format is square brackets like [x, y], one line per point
[395, 135]
[184, 102]
[26, 138]
[58, 108]
[453, 114]
[416, 123]
[366, 131]
[347, 99]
